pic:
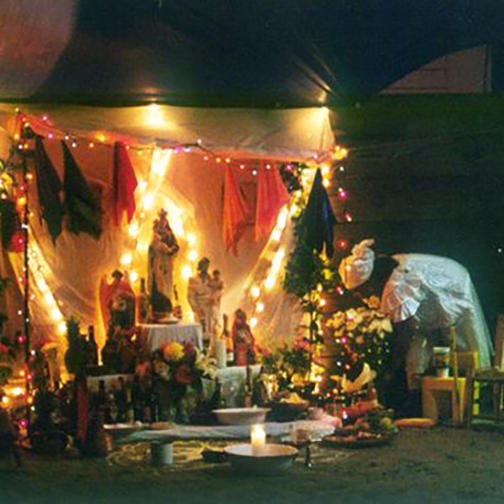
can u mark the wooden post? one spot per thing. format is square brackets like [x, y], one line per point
[453, 351]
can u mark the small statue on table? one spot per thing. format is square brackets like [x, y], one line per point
[162, 251]
[204, 293]
[117, 302]
[244, 342]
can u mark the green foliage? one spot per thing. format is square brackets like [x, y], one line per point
[5, 374]
[303, 272]
[286, 363]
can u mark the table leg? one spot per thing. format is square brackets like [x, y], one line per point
[308, 460]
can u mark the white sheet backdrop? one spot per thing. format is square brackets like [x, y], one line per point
[188, 185]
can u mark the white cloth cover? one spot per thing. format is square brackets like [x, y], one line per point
[158, 335]
[438, 293]
[356, 269]
[317, 430]
[188, 185]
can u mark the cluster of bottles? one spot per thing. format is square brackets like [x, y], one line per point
[127, 403]
[253, 393]
[91, 348]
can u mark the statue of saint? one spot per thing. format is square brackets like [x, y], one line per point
[162, 251]
[117, 302]
[204, 293]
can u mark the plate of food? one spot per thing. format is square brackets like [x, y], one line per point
[360, 439]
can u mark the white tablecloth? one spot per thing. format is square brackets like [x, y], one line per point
[156, 336]
[316, 429]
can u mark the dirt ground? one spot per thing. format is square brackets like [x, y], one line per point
[444, 465]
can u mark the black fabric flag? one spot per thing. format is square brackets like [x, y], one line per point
[81, 206]
[318, 220]
[48, 189]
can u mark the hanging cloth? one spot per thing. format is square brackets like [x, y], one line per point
[235, 211]
[81, 206]
[124, 184]
[271, 197]
[318, 219]
[12, 234]
[48, 189]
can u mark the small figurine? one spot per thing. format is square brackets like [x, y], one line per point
[243, 338]
[117, 302]
[204, 293]
[162, 251]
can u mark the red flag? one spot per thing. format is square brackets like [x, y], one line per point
[124, 184]
[271, 197]
[235, 211]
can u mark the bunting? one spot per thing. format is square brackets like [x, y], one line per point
[48, 190]
[235, 212]
[271, 197]
[124, 184]
[318, 219]
[82, 207]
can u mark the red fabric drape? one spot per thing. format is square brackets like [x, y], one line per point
[271, 197]
[124, 184]
[235, 211]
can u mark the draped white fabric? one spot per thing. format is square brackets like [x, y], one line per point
[187, 185]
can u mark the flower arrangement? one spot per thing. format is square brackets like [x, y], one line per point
[291, 365]
[360, 335]
[177, 371]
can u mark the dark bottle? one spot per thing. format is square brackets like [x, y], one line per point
[217, 401]
[110, 354]
[247, 401]
[129, 416]
[91, 348]
[226, 336]
[259, 392]
[101, 400]
[112, 410]
[121, 400]
[136, 397]
[142, 303]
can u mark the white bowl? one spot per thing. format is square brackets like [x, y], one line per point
[241, 416]
[268, 460]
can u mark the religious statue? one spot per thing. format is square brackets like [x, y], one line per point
[204, 293]
[117, 302]
[243, 339]
[162, 251]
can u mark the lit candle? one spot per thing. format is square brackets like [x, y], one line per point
[257, 438]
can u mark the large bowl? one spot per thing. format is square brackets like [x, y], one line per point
[241, 416]
[269, 460]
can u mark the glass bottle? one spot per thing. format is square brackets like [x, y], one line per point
[247, 401]
[226, 335]
[142, 303]
[91, 348]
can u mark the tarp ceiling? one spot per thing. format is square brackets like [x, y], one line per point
[276, 53]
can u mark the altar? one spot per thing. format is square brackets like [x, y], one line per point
[155, 336]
